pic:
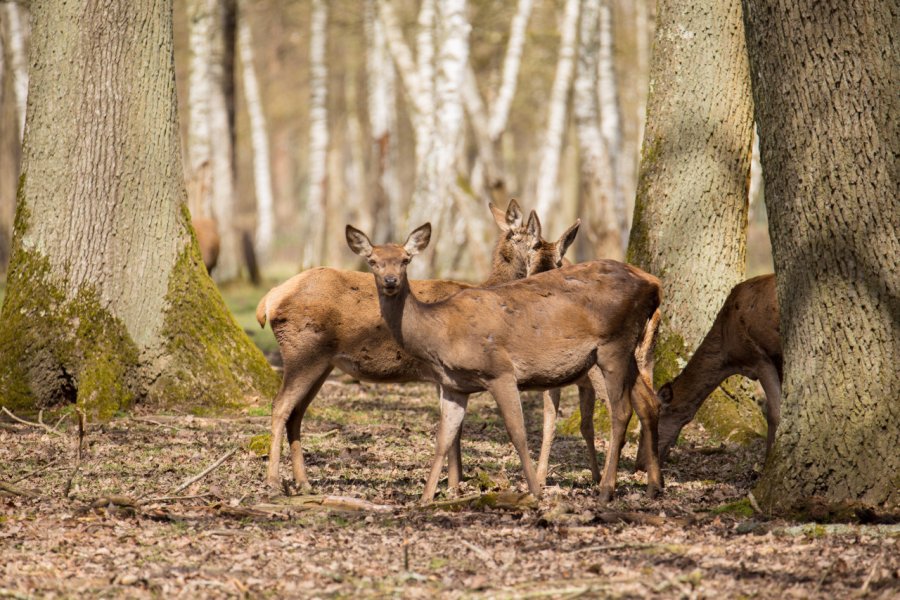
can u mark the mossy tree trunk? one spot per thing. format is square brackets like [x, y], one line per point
[690, 218]
[825, 89]
[108, 301]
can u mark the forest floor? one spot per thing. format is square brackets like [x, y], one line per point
[119, 526]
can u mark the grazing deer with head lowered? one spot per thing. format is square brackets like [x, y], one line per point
[545, 256]
[744, 340]
[538, 333]
[325, 318]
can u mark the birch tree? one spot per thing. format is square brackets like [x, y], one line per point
[382, 112]
[603, 235]
[547, 188]
[825, 91]
[690, 224]
[17, 30]
[108, 302]
[259, 138]
[317, 195]
[210, 142]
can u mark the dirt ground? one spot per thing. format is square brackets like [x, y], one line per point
[113, 528]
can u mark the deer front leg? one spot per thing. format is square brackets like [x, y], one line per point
[646, 404]
[453, 409]
[454, 461]
[551, 409]
[506, 393]
[771, 384]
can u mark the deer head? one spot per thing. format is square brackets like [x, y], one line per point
[389, 261]
[543, 255]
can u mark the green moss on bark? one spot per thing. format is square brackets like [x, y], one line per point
[211, 367]
[56, 350]
[731, 414]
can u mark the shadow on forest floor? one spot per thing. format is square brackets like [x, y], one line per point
[124, 527]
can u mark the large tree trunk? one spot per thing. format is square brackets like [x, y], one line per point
[210, 143]
[825, 87]
[547, 187]
[259, 139]
[317, 196]
[690, 218]
[602, 237]
[108, 301]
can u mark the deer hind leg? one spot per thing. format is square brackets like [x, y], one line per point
[295, 389]
[771, 383]
[587, 400]
[615, 375]
[551, 409]
[646, 404]
[453, 409]
[454, 458]
[294, 423]
[506, 393]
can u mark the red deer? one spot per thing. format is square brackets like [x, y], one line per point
[744, 340]
[325, 318]
[208, 239]
[542, 332]
[545, 256]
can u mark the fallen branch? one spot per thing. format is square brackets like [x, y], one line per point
[157, 423]
[175, 498]
[503, 500]
[342, 503]
[40, 425]
[203, 473]
[636, 518]
[15, 490]
[75, 471]
[38, 470]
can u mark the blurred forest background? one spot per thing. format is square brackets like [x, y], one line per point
[298, 117]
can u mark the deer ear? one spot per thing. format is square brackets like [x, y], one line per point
[514, 214]
[418, 240]
[567, 238]
[358, 241]
[534, 225]
[665, 393]
[499, 217]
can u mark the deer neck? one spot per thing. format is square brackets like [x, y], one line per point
[403, 314]
[506, 265]
[703, 373]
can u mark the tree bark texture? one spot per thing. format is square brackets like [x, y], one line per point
[210, 140]
[317, 196]
[690, 218]
[17, 32]
[259, 139]
[108, 301]
[547, 188]
[602, 236]
[825, 88]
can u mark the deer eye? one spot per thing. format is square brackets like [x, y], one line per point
[404, 262]
[371, 262]
[558, 264]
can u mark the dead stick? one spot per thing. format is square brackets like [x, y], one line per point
[77, 468]
[38, 470]
[146, 420]
[204, 473]
[175, 498]
[8, 487]
[30, 423]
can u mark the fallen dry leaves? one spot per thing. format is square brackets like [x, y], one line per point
[127, 528]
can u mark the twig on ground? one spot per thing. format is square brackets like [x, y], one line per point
[753, 503]
[636, 518]
[203, 473]
[40, 425]
[75, 471]
[864, 589]
[623, 546]
[481, 552]
[15, 490]
[176, 498]
[58, 421]
[157, 423]
[38, 470]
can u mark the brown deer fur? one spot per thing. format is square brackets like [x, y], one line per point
[538, 333]
[544, 257]
[208, 239]
[325, 318]
[744, 340]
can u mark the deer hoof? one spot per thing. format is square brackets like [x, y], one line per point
[653, 491]
[605, 495]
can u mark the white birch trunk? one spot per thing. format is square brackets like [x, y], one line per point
[211, 186]
[603, 236]
[382, 109]
[318, 137]
[611, 121]
[547, 189]
[259, 140]
[756, 176]
[499, 115]
[18, 27]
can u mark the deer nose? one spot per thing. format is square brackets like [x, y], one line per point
[390, 281]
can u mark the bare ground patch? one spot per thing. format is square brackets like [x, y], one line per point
[368, 447]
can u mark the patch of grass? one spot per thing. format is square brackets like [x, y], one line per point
[259, 444]
[260, 411]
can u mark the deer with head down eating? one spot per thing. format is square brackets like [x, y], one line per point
[540, 333]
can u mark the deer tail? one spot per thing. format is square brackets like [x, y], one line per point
[261, 310]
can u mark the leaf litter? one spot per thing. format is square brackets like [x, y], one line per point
[175, 505]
